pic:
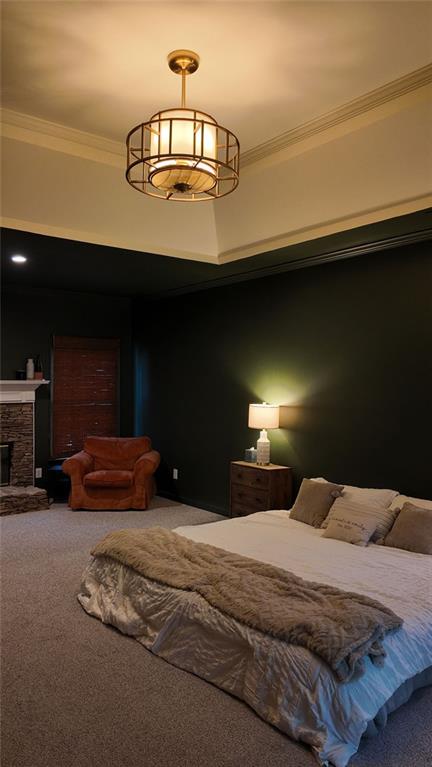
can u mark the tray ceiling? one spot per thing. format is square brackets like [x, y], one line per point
[265, 67]
[331, 102]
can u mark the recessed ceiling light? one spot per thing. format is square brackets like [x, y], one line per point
[19, 259]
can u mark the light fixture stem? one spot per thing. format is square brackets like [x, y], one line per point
[183, 97]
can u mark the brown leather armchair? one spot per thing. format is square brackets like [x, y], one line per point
[112, 473]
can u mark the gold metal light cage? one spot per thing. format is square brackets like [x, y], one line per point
[181, 153]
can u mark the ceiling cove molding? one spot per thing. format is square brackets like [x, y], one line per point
[389, 92]
[99, 239]
[300, 263]
[252, 249]
[372, 216]
[35, 130]
[60, 138]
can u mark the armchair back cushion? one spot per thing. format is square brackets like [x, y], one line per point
[120, 453]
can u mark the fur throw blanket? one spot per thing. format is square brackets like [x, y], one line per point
[341, 627]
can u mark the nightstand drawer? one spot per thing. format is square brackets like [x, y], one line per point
[250, 477]
[238, 510]
[254, 499]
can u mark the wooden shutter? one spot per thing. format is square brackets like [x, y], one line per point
[85, 391]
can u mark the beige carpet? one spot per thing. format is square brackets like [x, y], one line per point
[77, 693]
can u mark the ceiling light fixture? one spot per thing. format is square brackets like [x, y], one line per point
[182, 154]
[19, 259]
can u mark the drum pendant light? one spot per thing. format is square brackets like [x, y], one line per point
[181, 153]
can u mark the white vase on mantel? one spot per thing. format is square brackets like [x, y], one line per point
[30, 369]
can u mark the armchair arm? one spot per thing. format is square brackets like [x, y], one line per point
[77, 466]
[146, 465]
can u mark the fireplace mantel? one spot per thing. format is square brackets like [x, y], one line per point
[19, 391]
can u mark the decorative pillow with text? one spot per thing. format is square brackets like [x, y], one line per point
[350, 526]
[383, 517]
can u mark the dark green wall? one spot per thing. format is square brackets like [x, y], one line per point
[346, 345]
[29, 320]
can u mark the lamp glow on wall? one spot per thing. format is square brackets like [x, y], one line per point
[263, 416]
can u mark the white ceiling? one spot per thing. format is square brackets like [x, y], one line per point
[266, 67]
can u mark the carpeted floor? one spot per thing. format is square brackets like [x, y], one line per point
[77, 693]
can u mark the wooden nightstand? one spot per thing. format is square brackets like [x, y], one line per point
[259, 488]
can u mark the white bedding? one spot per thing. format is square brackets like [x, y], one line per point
[298, 694]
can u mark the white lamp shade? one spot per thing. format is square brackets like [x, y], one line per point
[263, 416]
[180, 137]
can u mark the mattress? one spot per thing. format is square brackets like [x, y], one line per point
[286, 685]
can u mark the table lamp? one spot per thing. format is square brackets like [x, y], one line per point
[263, 416]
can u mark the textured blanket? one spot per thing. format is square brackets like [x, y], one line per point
[339, 626]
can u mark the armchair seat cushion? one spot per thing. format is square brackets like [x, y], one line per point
[108, 478]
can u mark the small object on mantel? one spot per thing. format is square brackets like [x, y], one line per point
[30, 369]
[20, 375]
[38, 372]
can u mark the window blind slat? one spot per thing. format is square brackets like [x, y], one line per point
[85, 393]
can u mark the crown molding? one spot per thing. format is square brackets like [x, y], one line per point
[21, 120]
[35, 130]
[353, 251]
[389, 92]
[60, 138]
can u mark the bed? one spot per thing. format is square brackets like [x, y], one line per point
[288, 686]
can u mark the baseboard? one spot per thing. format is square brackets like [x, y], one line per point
[193, 502]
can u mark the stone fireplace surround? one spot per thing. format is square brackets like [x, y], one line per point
[17, 402]
[16, 426]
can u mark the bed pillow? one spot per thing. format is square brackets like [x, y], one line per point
[368, 496]
[313, 501]
[412, 530]
[400, 500]
[373, 495]
[350, 523]
[384, 517]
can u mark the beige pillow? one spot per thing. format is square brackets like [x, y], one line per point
[421, 503]
[368, 496]
[314, 501]
[412, 530]
[350, 526]
[384, 517]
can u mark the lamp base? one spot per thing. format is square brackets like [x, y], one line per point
[263, 449]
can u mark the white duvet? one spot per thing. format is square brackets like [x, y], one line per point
[288, 686]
